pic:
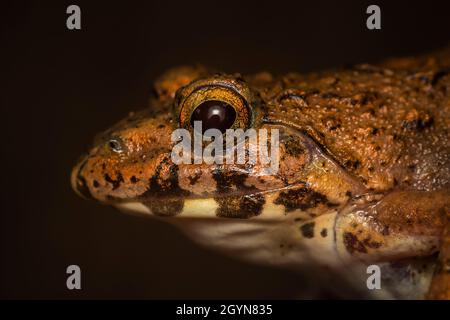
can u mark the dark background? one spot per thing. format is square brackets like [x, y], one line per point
[61, 87]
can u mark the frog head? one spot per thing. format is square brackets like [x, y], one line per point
[133, 162]
[132, 165]
[318, 167]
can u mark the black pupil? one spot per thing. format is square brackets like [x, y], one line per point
[214, 114]
[114, 145]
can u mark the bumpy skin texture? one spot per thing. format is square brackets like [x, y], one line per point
[387, 126]
[369, 143]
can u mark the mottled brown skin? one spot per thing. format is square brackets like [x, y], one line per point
[370, 141]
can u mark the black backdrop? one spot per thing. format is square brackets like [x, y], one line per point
[61, 87]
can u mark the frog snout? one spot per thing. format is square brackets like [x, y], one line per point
[78, 182]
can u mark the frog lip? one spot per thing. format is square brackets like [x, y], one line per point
[203, 207]
[78, 182]
[213, 195]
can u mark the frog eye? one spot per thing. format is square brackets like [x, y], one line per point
[219, 103]
[115, 145]
[214, 114]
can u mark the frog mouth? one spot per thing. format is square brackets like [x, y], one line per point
[243, 206]
[237, 191]
[78, 182]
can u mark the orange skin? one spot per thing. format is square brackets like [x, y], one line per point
[372, 137]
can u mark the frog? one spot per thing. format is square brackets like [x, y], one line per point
[363, 177]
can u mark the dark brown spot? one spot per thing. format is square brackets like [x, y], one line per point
[193, 180]
[349, 164]
[164, 196]
[418, 124]
[301, 198]
[116, 183]
[229, 181]
[371, 244]
[241, 207]
[133, 179]
[352, 243]
[324, 233]
[294, 147]
[308, 230]
[334, 127]
[166, 207]
[167, 186]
